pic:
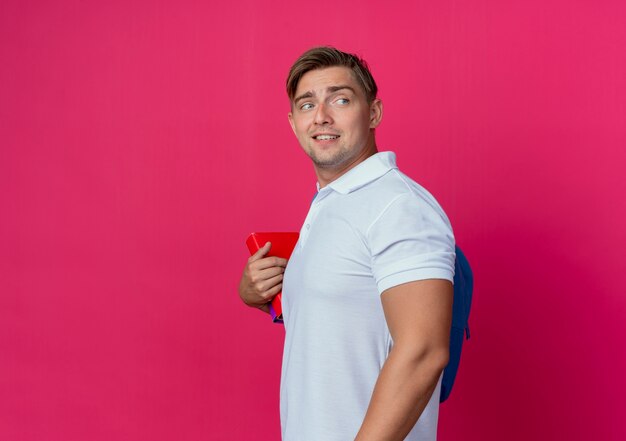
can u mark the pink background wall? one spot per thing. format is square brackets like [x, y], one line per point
[141, 141]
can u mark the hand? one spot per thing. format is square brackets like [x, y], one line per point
[262, 278]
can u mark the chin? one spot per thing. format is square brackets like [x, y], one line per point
[329, 161]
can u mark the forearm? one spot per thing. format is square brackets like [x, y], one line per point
[403, 389]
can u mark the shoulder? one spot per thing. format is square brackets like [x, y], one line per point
[397, 193]
[392, 196]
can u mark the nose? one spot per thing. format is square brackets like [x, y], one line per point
[322, 116]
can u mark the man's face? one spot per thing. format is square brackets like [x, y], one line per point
[332, 119]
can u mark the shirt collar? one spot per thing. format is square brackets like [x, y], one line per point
[367, 171]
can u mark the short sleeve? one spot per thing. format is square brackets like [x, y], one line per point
[411, 240]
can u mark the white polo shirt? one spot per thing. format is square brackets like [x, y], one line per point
[369, 230]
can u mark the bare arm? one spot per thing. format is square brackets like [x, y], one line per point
[261, 279]
[419, 316]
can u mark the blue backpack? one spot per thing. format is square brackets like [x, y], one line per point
[463, 287]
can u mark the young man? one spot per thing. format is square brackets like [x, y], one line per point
[367, 294]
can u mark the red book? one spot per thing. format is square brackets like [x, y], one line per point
[282, 246]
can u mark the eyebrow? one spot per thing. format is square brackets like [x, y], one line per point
[334, 89]
[303, 96]
[331, 89]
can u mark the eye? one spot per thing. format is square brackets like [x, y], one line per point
[306, 106]
[342, 101]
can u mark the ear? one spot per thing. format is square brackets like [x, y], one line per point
[291, 123]
[376, 113]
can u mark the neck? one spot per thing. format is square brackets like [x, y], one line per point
[327, 175]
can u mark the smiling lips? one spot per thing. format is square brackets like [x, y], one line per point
[325, 137]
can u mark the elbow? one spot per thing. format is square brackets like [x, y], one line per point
[437, 359]
[442, 359]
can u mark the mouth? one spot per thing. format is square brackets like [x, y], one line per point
[325, 137]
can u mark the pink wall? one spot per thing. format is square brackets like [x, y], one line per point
[140, 142]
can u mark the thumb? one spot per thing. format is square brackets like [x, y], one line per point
[261, 252]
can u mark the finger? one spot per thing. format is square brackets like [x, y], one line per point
[259, 277]
[268, 262]
[270, 293]
[268, 273]
[261, 252]
[269, 283]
